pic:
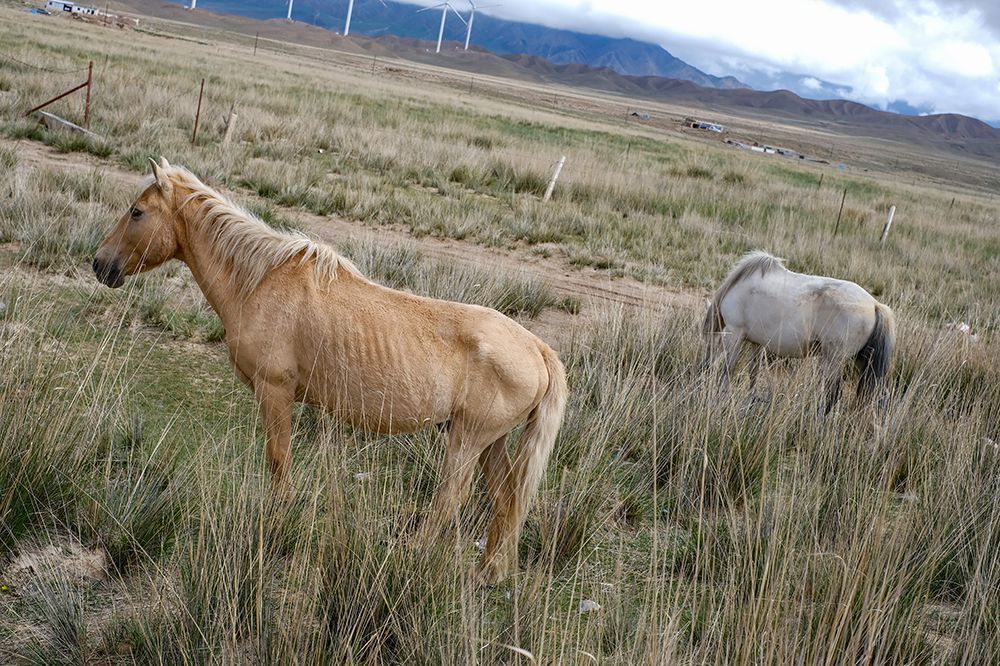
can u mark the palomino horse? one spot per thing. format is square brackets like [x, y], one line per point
[302, 324]
[794, 315]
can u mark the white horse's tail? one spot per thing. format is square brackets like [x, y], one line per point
[538, 438]
[875, 356]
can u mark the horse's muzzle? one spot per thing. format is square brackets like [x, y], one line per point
[108, 273]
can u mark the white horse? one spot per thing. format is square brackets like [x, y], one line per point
[792, 315]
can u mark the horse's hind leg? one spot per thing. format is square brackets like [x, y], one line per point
[500, 547]
[833, 379]
[460, 456]
[275, 404]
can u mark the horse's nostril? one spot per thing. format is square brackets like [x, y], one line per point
[108, 273]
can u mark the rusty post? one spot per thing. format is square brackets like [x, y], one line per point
[842, 200]
[90, 84]
[55, 99]
[255, 38]
[197, 115]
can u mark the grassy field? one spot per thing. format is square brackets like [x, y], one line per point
[136, 524]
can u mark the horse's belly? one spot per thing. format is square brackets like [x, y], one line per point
[785, 341]
[379, 411]
[786, 349]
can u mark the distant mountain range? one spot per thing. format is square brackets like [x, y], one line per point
[672, 79]
[376, 18]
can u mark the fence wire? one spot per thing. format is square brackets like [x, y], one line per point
[51, 70]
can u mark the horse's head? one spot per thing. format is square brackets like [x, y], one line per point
[145, 236]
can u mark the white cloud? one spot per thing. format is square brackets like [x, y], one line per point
[938, 54]
[811, 83]
[961, 59]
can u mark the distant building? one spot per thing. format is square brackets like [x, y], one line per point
[70, 8]
[703, 125]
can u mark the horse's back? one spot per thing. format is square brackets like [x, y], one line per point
[790, 314]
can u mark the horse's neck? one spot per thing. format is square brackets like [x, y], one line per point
[211, 272]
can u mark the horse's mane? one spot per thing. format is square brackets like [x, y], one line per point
[249, 245]
[756, 260]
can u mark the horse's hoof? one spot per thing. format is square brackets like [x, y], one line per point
[491, 573]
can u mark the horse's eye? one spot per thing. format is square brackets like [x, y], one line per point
[136, 213]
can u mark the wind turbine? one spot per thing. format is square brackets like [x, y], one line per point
[445, 6]
[472, 17]
[289, 17]
[350, 9]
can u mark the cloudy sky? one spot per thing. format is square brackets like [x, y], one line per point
[935, 55]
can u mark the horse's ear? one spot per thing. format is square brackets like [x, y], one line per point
[159, 173]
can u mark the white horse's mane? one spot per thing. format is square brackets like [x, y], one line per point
[756, 260]
[249, 245]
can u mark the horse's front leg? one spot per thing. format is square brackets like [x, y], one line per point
[275, 402]
[732, 341]
[757, 361]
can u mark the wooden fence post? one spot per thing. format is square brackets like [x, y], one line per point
[230, 123]
[888, 223]
[555, 177]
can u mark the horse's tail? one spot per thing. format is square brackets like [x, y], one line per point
[538, 438]
[875, 356]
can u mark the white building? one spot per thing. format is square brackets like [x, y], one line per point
[69, 7]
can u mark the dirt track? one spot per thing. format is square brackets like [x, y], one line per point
[595, 290]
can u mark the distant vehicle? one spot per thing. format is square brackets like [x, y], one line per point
[39, 10]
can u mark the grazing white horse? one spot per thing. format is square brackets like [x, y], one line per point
[792, 315]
